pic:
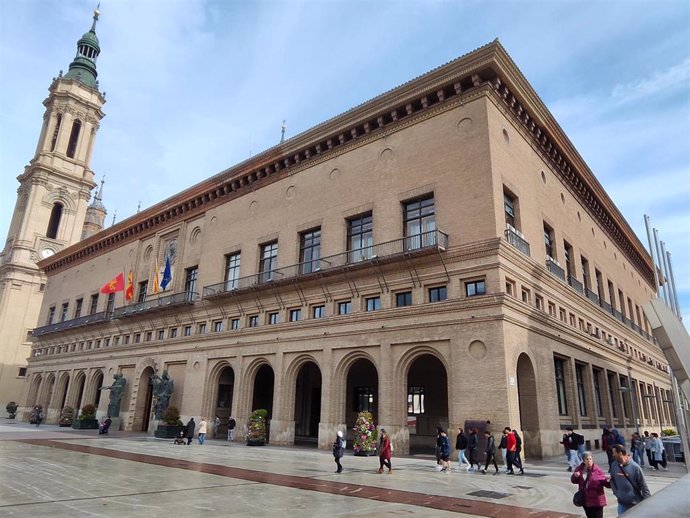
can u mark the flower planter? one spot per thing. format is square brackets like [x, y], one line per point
[371, 453]
[85, 424]
[168, 431]
[252, 442]
[65, 425]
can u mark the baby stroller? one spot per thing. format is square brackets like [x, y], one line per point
[180, 439]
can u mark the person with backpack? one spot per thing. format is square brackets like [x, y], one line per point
[490, 451]
[461, 446]
[339, 450]
[445, 452]
[627, 480]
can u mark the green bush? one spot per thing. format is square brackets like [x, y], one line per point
[256, 428]
[66, 416]
[171, 416]
[87, 412]
[668, 431]
[260, 412]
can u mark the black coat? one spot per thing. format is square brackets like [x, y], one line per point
[191, 426]
[461, 442]
[474, 441]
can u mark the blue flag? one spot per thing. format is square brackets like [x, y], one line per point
[167, 274]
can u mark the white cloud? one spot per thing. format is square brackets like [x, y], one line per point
[671, 79]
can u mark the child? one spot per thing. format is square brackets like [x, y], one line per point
[180, 439]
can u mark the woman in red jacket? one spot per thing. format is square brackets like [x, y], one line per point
[591, 480]
[385, 452]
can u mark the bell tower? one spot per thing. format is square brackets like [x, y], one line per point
[52, 201]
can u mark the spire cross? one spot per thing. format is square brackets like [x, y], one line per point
[282, 132]
[95, 17]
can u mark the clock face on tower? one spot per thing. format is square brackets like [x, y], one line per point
[46, 253]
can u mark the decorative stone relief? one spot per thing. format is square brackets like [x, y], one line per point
[290, 192]
[477, 350]
[254, 207]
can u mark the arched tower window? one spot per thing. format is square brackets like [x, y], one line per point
[54, 223]
[74, 138]
[53, 143]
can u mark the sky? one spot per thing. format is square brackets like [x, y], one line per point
[196, 86]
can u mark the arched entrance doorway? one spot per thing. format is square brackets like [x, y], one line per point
[529, 406]
[32, 400]
[62, 390]
[307, 404]
[81, 379]
[48, 394]
[427, 402]
[362, 391]
[142, 408]
[97, 384]
[223, 405]
[263, 389]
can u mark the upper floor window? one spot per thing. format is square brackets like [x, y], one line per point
[273, 318]
[585, 272]
[310, 250]
[475, 288]
[559, 368]
[187, 331]
[295, 315]
[373, 303]
[235, 323]
[201, 328]
[111, 302]
[253, 321]
[344, 307]
[568, 256]
[217, 326]
[93, 306]
[438, 294]
[318, 311]
[403, 299]
[143, 288]
[63, 311]
[232, 270]
[419, 223]
[509, 202]
[77, 307]
[191, 278]
[269, 261]
[548, 242]
[360, 237]
[54, 222]
[51, 315]
[74, 138]
[56, 131]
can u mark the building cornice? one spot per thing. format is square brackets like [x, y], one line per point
[486, 71]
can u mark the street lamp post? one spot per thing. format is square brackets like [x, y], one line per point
[630, 389]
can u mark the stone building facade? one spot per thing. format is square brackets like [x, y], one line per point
[438, 254]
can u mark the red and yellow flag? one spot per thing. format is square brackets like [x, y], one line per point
[156, 280]
[114, 285]
[129, 291]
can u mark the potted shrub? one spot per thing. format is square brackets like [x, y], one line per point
[256, 428]
[66, 416]
[366, 435]
[11, 408]
[87, 419]
[171, 425]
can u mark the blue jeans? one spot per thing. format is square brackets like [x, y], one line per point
[638, 456]
[624, 507]
[202, 438]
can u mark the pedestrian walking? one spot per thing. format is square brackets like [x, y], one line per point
[231, 428]
[518, 446]
[472, 446]
[202, 431]
[490, 451]
[461, 446]
[565, 441]
[637, 447]
[385, 452]
[591, 480]
[627, 480]
[189, 429]
[575, 440]
[216, 426]
[511, 453]
[504, 452]
[647, 441]
[438, 446]
[658, 452]
[445, 452]
[338, 450]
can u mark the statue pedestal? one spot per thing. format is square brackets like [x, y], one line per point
[153, 426]
[116, 424]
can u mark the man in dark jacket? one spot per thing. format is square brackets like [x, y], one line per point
[490, 451]
[518, 447]
[627, 480]
[191, 426]
[472, 445]
[574, 442]
[461, 446]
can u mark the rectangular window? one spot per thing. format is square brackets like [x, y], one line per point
[631, 316]
[419, 223]
[161, 334]
[310, 250]
[360, 238]
[273, 318]
[580, 379]
[623, 383]
[318, 311]
[51, 315]
[345, 307]
[63, 311]
[141, 293]
[559, 368]
[362, 399]
[187, 331]
[217, 326]
[172, 333]
[269, 261]
[295, 315]
[539, 302]
[137, 338]
[235, 324]
[77, 307]
[253, 321]
[403, 299]
[526, 296]
[474, 288]
[415, 400]
[562, 315]
[93, 305]
[548, 242]
[22, 372]
[568, 256]
[599, 288]
[509, 208]
[585, 273]
[106, 342]
[190, 279]
[612, 296]
[110, 305]
[645, 400]
[438, 294]
[510, 287]
[201, 328]
[621, 298]
[148, 336]
[597, 392]
[116, 341]
[552, 309]
[611, 377]
[373, 303]
[232, 270]
[126, 342]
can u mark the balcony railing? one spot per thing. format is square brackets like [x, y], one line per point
[410, 245]
[86, 320]
[592, 296]
[575, 284]
[167, 301]
[517, 241]
[555, 269]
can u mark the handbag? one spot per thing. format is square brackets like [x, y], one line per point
[579, 498]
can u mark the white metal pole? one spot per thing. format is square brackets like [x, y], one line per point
[673, 283]
[668, 280]
[651, 252]
[661, 266]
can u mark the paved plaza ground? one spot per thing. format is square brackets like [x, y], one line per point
[59, 472]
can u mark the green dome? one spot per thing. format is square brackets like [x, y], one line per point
[83, 67]
[90, 38]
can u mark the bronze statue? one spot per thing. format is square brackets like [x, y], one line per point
[117, 392]
[162, 390]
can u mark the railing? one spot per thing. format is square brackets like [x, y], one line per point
[167, 301]
[555, 269]
[432, 240]
[518, 242]
[575, 284]
[605, 305]
[592, 296]
[86, 320]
